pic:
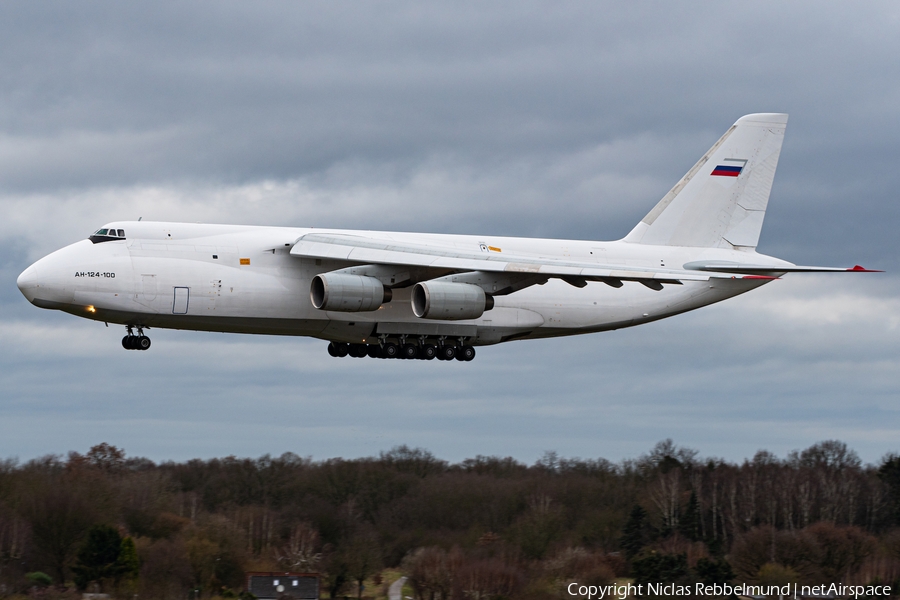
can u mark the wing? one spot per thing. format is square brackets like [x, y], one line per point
[438, 260]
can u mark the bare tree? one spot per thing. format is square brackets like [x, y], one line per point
[302, 551]
[486, 579]
[665, 495]
[432, 572]
[13, 539]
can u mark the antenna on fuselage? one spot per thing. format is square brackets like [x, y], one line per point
[139, 218]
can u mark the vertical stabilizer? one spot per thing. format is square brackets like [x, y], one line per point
[722, 200]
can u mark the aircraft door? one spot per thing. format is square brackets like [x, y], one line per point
[180, 305]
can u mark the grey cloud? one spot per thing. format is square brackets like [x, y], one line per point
[520, 118]
[289, 90]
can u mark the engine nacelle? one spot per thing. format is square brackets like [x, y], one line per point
[449, 301]
[347, 293]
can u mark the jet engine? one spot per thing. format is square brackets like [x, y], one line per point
[450, 301]
[347, 293]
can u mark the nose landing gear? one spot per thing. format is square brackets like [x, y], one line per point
[135, 342]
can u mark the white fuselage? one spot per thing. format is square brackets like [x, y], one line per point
[243, 279]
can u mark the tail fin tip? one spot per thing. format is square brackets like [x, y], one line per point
[765, 118]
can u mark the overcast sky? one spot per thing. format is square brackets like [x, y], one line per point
[546, 119]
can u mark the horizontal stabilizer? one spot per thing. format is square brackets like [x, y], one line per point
[730, 267]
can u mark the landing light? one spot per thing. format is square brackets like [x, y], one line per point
[91, 309]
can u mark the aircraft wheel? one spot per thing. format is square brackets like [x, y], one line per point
[357, 350]
[466, 353]
[142, 343]
[332, 349]
[428, 352]
[447, 353]
[126, 342]
[410, 351]
[342, 349]
[372, 351]
[390, 350]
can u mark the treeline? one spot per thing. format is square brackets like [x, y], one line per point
[486, 527]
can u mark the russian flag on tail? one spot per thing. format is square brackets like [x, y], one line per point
[730, 167]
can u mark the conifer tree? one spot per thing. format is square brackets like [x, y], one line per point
[635, 534]
[127, 564]
[689, 524]
[889, 473]
[97, 558]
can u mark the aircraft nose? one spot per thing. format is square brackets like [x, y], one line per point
[28, 282]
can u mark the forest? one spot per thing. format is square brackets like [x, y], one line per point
[484, 528]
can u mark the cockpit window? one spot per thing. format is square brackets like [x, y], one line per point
[107, 235]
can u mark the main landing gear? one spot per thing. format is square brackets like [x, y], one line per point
[135, 342]
[424, 350]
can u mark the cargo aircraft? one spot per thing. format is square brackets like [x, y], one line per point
[425, 296]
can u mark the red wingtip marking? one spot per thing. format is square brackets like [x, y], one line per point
[757, 277]
[859, 268]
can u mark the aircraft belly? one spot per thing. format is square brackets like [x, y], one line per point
[598, 307]
[550, 312]
[255, 325]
